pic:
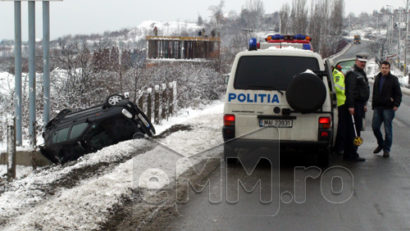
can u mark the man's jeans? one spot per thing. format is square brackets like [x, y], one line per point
[384, 116]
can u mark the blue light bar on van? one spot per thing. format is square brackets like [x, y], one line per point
[300, 37]
[307, 46]
[277, 37]
[253, 44]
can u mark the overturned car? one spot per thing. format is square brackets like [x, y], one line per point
[70, 134]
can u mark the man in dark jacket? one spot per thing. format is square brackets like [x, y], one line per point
[385, 102]
[357, 95]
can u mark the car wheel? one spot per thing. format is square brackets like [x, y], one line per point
[306, 92]
[138, 135]
[62, 113]
[113, 100]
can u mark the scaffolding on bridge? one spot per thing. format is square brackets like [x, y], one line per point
[183, 47]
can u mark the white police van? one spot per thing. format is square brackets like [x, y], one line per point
[282, 93]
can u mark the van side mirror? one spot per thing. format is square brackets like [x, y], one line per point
[226, 78]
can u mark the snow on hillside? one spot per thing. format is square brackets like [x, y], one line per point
[138, 33]
[168, 28]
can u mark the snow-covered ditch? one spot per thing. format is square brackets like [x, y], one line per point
[21, 171]
[117, 187]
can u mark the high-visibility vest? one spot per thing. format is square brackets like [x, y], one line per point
[339, 79]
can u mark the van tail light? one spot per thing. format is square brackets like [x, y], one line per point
[324, 134]
[229, 120]
[324, 122]
[228, 130]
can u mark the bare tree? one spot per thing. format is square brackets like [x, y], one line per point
[299, 16]
[252, 14]
[314, 24]
[336, 20]
[200, 21]
[284, 15]
[217, 13]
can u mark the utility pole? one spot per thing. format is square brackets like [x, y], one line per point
[405, 41]
[388, 28]
[391, 29]
[398, 40]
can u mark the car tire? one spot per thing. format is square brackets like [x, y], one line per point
[113, 100]
[59, 116]
[306, 92]
[138, 135]
[62, 113]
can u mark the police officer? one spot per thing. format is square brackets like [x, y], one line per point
[357, 95]
[339, 80]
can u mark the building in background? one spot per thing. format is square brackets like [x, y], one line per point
[183, 47]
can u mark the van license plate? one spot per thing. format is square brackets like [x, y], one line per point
[276, 123]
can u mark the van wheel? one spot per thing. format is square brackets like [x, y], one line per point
[229, 155]
[306, 92]
[323, 157]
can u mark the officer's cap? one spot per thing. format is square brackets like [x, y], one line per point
[361, 57]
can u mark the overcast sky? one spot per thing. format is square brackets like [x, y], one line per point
[96, 16]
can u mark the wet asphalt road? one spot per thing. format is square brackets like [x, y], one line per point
[373, 195]
[364, 47]
[378, 200]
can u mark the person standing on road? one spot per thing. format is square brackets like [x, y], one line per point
[385, 102]
[339, 80]
[357, 95]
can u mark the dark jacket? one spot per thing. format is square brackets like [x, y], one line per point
[357, 87]
[390, 95]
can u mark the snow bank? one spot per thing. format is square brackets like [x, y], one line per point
[21, 171]
[404, 81]
[84, 195]
[372, 68]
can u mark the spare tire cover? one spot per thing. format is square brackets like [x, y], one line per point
[306, 92]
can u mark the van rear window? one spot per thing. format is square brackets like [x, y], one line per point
[270, 72]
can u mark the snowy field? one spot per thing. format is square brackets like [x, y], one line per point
[83, 194]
